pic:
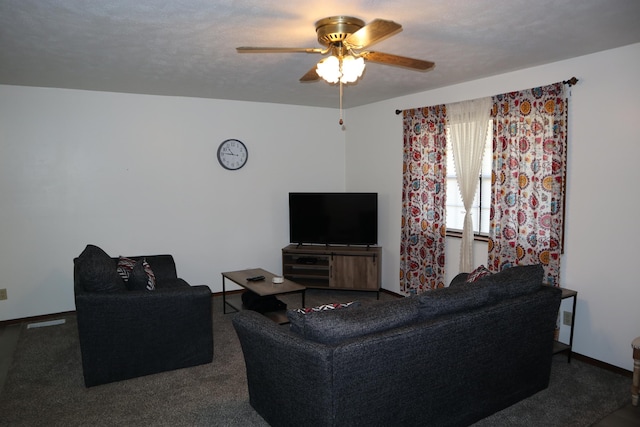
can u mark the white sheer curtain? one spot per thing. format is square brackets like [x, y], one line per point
[468, 123]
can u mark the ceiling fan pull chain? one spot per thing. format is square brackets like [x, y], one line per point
[340, 122]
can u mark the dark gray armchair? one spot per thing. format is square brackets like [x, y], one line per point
[130, 333]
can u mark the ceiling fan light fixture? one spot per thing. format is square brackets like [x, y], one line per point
[352, 69]
[329, 69]
[346, 70]
[346, 39]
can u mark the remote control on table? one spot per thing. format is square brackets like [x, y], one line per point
[255, 278]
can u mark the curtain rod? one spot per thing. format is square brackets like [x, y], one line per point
[572, 81]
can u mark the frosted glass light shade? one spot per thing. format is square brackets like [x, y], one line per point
[329, 69]
[332, 70]
[352, 69]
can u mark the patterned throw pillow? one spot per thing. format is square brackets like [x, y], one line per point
[298, 318]
[478, 274]
[125, 265]
[151, 283]
[324, 307]
[144, 278]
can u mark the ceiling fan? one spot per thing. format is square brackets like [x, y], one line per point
[346, 38]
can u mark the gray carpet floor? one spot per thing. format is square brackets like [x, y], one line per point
[44, 386]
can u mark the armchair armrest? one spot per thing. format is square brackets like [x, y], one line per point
[132, 333]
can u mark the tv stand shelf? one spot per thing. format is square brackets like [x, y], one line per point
[333, 267]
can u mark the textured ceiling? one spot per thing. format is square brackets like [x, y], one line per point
[187, 47]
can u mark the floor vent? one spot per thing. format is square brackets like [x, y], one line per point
[46, 323]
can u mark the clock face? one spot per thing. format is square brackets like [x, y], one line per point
[232, 154]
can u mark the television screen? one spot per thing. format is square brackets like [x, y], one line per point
[333, 218]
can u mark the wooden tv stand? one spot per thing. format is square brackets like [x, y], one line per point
[333, 267]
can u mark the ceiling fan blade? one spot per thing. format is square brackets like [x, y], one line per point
[400, 61]
[250, 49]
[374, 32]
[311, 75]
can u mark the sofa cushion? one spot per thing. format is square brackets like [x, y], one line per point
[453, 299]
[334, 326]
[509, 283]
[97, 271]
[141, 277]
[515, 281]
[297, 316]
[460, 279]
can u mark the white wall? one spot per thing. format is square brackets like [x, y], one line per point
[602, 233]
[138, 174]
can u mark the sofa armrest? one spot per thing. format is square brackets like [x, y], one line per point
[132, 333]
[285, 373]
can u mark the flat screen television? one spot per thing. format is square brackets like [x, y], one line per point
[333, 218]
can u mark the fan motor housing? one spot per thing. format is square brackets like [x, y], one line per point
[335, 29]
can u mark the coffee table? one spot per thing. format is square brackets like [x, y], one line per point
[263, 288]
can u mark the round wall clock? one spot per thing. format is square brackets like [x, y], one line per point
[232, 154]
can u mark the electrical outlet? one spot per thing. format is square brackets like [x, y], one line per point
[566, 319]
[3, 294]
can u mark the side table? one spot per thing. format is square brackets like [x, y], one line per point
[636, 371]
[559, 347]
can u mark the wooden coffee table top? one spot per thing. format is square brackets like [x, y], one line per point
[263, 287]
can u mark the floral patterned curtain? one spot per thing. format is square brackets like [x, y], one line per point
[528, 179]
[423, 200]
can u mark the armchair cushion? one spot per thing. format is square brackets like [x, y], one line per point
[163, 266]
[172, 283]
[97, 271]
[141, 277]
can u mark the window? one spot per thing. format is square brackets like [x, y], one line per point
[481, 202]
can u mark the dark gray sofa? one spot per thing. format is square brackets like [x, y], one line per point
[130, 333]
[448, 357]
